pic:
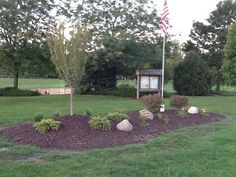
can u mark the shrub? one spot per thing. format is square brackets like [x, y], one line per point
[178, 101]
[152, 102]
[38, 117]
[10, 91]
[192, 76]
[46, 125]
[118, 116]
[101, 123]
[167, 94]
[120, 91]
[125, 90]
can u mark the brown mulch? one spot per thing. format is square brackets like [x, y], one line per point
[75, 134]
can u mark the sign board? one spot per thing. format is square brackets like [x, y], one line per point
[149, 82]
[144, 82]
[154, 82]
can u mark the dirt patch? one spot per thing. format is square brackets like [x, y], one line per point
[75, 134]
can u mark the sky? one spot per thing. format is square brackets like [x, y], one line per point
[182, 13]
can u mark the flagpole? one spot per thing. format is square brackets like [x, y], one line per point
[163, 66]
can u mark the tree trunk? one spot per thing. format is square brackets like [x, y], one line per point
[16, 79]
[71, 101]
[218, 81]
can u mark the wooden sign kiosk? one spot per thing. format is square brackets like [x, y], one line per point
[148, 81]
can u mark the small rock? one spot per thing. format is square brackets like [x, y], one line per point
[193, 110]
[4, 149]
[147, 114]
[124, 125]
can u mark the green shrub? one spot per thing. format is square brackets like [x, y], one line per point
[118, 116]
[120, 91]
[10, 91]
[98, 92]
[178, 101]
[167, 94]
[46, 125]
[101, 123]
[192, 76]
[125, 90]
[152, 102]
[38, 117]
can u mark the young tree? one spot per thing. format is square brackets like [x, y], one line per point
[229, 64]
[69, 56]
[21, 22]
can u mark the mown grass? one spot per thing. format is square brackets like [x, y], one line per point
[20, 109]
[57, 83]
[33, 83]
[200, 151]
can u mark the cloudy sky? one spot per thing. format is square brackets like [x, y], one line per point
[184, 12]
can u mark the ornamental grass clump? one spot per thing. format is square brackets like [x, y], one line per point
[152, 102]
[117, 116]
[203, 112]
[143, 121]
[101, 123]
[164, 117]
[182, 112]
[46, 125]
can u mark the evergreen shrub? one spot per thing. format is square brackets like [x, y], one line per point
[192, 76]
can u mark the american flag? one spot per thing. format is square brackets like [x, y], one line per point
[165, 13]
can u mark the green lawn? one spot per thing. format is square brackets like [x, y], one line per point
[199, 151]
[20, 109]
[33, 83]
[57, 83]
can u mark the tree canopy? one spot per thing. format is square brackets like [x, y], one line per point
[119, 19]
[21, 23]
[210, 37]
[126, 36]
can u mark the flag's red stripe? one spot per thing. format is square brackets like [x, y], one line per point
[165, 13]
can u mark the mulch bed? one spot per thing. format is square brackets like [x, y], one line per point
[75, 134]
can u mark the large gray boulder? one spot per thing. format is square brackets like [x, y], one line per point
[124, 125]
[146, 114]
[193, 110]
